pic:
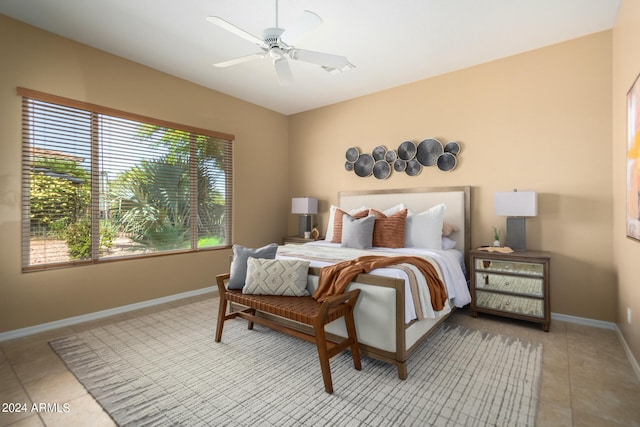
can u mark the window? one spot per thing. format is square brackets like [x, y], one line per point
[100, 184]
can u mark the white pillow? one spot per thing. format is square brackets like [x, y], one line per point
[328, 236]
[276, 277]
[448, 243]
[394, 209]
[424, 230]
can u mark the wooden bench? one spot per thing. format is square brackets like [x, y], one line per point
[303, 310]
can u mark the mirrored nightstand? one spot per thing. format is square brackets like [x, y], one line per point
[296, 239]
[512, 285]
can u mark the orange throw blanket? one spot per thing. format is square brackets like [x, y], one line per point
[334, 279]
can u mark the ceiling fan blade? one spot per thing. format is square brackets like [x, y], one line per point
[283, 71]
[319, 58]
[237, 31]
[307, 22]
[332, 70]
[239, 60]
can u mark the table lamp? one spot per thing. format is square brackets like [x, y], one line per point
[516, 205]
[305, 207]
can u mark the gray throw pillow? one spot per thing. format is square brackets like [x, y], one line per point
[276, 277]
[357, 233]
[238, 273]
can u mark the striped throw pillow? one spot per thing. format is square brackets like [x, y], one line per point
[389, 231]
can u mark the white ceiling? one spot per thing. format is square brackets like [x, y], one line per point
[390, 42]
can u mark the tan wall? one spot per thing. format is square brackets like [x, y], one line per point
[626, 66]
[539, 121]
[38, 60]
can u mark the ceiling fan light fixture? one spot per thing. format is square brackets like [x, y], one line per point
[271, 36]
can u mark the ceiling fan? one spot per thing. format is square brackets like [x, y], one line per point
[278, 44]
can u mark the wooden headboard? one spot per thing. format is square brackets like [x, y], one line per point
[456, 199]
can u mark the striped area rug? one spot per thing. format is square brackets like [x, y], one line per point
[164, 369]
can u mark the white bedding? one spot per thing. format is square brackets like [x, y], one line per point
[322, 253]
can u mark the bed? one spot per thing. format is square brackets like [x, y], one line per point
[392, 318]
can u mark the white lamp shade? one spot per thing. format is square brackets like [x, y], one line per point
[304, 205]
[516, 203]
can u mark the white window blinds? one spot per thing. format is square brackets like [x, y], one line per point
[100, 184]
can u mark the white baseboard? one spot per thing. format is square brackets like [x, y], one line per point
[23, 332]
[584, 321]
[605, 325]
[627, 350]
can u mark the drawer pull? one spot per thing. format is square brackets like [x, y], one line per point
[506, 283]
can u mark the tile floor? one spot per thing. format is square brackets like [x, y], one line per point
[587, 379]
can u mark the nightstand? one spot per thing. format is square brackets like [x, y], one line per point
[296, 239]
[512, 285]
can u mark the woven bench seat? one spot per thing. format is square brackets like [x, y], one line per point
[300, 309]
[303, 310]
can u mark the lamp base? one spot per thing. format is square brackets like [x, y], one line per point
[516, 233]
[304, 224]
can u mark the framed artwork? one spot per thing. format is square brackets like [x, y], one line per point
[633, 160]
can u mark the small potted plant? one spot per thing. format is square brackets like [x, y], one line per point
[496, 237]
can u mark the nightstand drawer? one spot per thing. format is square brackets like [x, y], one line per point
[509, 303]
[513, 284]
[525, 268]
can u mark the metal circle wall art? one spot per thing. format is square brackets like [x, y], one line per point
[413, 167]
[352, 154]
[390, 156]
[447, 162]
[379, 152]
[452, 147]
[381, 169]
[428, 152]
[407, 150]
[364, 165]
[409, 158]
[400, 165]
